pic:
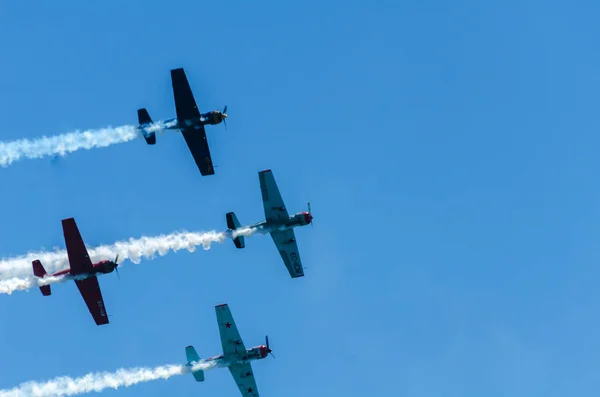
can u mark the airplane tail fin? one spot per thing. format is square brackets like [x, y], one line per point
[193, 357]
[39, 271]
[144, 118]
[233, 224]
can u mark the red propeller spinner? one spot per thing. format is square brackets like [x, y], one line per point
[265, 350]
[308, 216]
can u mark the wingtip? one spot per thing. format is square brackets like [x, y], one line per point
[221, 305]
[67, 222]
[267, 170]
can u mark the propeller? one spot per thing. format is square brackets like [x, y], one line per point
[267, 345]
[117, 265]
[310, 213]
[224, 116]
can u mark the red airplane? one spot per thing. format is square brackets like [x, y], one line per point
[81, 270]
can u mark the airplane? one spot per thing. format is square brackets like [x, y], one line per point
[81, 270]
[235, 355]
[278, 223]
[189, 121]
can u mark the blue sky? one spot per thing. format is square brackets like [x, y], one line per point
[449, 151]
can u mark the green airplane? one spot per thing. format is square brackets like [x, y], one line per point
[278, 223]
[235, 355]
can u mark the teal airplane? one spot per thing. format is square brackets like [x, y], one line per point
[278, 223]
[235, 355]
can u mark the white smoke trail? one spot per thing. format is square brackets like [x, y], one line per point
[65, 143]
[73, 141]
[22, 284]
[98, 381]
[132, 249]
[16, 273]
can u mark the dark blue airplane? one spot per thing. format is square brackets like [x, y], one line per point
[189, 121]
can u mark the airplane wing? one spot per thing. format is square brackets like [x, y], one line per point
[195, 136]
[79, 260]
[285, 241]
[196, 141]
[274, 208]
[90, 291]
[230, 337]
[244, 378]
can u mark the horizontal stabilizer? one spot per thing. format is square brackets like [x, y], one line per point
[198, 375]
[193, 358]
[144, 119]
[39, 271]
[233, 224]
[239, 241]
[45, 290]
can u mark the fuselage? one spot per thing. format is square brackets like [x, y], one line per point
[214, 117]
[298, 219]
[256, 353]
[102, 267]
[149, 128]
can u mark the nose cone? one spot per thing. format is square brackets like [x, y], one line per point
[308, 217]
[264, 352]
